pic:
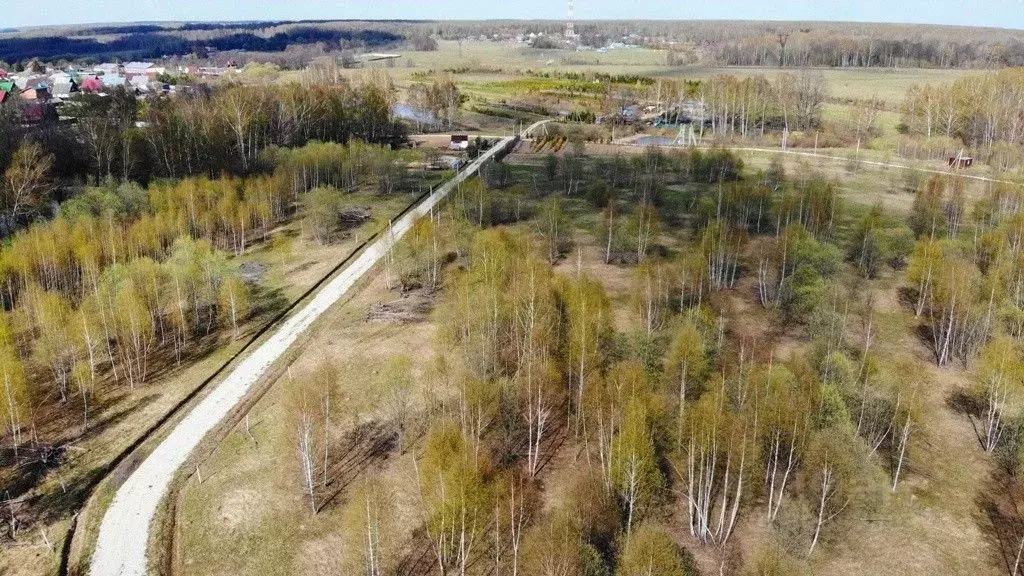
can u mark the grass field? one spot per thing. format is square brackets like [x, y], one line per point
[485, 61]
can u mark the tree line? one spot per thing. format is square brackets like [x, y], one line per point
[982, 111]
[227, 130]
[142, 42]
[126, 278]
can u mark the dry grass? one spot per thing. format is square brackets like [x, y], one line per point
[246, 516]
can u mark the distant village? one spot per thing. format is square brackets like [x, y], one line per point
[40, 92]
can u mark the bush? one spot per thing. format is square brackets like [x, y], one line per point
[322, 211]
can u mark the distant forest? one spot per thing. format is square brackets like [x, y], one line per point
[736, 43]
[149, 41]
[753, 43]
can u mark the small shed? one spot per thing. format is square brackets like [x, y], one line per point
[459, 142]
[959, 162]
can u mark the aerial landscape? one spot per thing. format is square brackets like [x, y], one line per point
[545, 289]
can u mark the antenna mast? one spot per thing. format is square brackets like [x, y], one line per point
[570, 29]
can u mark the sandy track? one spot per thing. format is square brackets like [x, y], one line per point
[125, 529]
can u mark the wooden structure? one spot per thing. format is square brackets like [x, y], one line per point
[959, 162]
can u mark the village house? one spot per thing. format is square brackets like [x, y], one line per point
[91, 84]
[113, 80]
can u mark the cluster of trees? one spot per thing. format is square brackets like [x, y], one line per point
[742, 106]
[205, 132]
[125, 278]
[441, 98]
[966, 276]
[682, 418]
[967, 290]
[982, 111]
[226, 131]
[745, 107]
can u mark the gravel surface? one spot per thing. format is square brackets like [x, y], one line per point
[124, 532]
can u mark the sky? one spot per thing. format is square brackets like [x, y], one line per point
[997, 13]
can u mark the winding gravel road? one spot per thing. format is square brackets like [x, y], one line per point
[125, 529]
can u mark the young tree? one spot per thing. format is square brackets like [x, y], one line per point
[556, 546]
[685, 365]
[1001, 378]
[57, 339]
[715, 466]
[635, 470]
[455, 499]
[14, 387]
[234, 301]
[925, 263]
[651, 294]
[369, 535]
[322, 209]
[833, 478]
[555, 227]
[650, 550]
[308, 405]
[395, 388]
[928, 216]
[26, 185]
[588, 315]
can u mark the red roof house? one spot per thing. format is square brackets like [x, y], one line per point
[91, 84]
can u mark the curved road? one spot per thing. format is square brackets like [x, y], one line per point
[125, 529]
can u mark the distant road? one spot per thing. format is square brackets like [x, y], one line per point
[125, 529]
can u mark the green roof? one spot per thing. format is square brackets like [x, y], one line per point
[7, 85]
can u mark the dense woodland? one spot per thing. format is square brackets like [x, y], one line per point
[119, 243]
[151, 41]
[224, 131]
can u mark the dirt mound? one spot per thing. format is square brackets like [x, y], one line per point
[412, 307]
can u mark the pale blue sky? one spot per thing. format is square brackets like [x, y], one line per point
[999, 13]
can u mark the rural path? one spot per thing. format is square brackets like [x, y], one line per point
[125, 528]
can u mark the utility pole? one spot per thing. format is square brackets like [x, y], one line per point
[570, 27]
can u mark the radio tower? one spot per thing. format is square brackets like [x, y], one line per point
[570, 31]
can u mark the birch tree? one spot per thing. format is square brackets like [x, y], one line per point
[1001, 379]
[455, 500]
[369, 534]
[650, 550]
